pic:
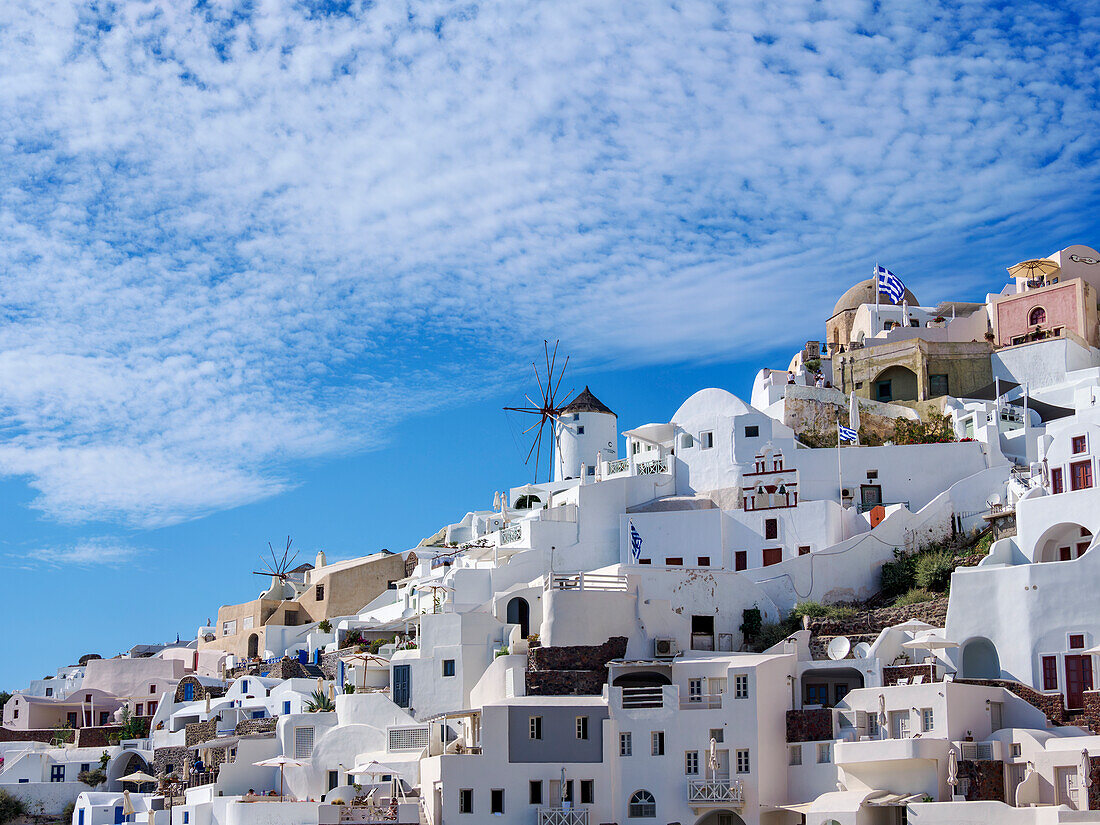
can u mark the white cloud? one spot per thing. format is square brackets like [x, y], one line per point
[85, 553]
[237, 235]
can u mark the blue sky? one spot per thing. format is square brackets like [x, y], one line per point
[273, 267]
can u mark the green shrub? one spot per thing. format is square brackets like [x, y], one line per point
[11, 807]
[814, 610]
[92, 778]
[325, 626]
[67, 812]
[898, 576]
[751, 621]
[914, 596]
[981, 547]
[933, 571]
[841, 611]
[771, 633]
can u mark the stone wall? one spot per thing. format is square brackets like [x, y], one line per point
[819, 411]
[247, 727]
[329, 661]
[201, 691]
[285, 668]
[986, 780]
[35, 735]
[1051, 704]
[933, 611]
[168, 760]
[891, 673]
[574, 670]
[813, 725]
[198, 732]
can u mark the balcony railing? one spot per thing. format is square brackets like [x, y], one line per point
[587, 581]
[511, 534]
[865, 507]
[715, 791]
[621, 465]
[710, 701]
[643, 697]
[563, 816]
[650, 468]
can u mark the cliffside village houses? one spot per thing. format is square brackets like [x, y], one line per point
[582, 651]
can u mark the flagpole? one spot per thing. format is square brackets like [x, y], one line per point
[839, 471]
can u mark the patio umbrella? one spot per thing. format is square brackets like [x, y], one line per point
[365, 658]
[1036, 267]
[882, 722]
[373, 769]
[280, 762]
[952, 769]
[140, 777]
[1086, 779]
[712, 758]
[127, 805]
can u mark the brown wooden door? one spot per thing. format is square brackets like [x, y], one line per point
[1078, 680]
[773, 555]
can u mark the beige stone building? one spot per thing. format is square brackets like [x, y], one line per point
[324, 591]
[838, 329]
[914, 369]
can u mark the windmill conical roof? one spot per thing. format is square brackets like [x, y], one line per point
[586, 402]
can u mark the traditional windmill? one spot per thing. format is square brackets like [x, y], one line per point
[548, 409]
[278, 568]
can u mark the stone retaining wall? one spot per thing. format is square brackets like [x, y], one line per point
[987, 780]
[575, 670]
[813, 725]
[892, 673]
[1051, 704]
[247, 727]
[934, 612]
[198, 732]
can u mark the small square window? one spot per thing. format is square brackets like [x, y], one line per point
[803, 549]
[580, 429]
[704, 561]
[718, 734]
[691, 763]
[1077, 641]
[534, 727]
[588, 791]
[743, 765]
[466, 801]
[706, 440]
[674, 561]
[496, 801]
[794, 755]
[626, 745]
[657, 743]
[872, 475]
[152, 688]
[752, 432]
[448, 667]
[686, 441]
[825, 753]
[1079, 444]
[1017, 751]
[741, 686]
[582, 727]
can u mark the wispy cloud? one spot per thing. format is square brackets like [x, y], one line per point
[234, 235]
[84, 553]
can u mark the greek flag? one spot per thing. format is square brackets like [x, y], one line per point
[847, 433]
[889, 284]
[635, 541]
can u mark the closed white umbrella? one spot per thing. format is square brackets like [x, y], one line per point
[712, 758]
[127, 805]
[882, 722]
[952, 769]
[853, 414]
[1086, 780]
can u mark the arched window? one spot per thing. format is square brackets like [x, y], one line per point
[643, 805]
[1037, 316]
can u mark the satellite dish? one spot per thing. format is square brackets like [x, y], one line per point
[993, 500]
[839, 647]
[861, 650]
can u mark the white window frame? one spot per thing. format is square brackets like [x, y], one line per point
[691, 763]
[794, 755]
[657, 743]
[626, 744]
[534, 727]
[741, 686]
[825, 753]
[742, 761]
[706, 440]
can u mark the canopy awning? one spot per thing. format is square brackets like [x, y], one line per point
[652, 433]
[1047, 412]
[989, 391]
[886, 799]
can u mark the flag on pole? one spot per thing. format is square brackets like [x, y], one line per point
[889, 284]
[847, 433]
[635, 542]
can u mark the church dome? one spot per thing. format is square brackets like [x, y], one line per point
[864, 293]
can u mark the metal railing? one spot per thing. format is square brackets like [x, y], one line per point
[368, 814]
[863, 508]
[587, 581]
[563, 816]
[721, 791]
[511, 534]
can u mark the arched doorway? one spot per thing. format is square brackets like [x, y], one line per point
[519, 612]
[124, 764]
[722, 817]
[642, 678]
[978, 659]
[895, 383]
[253, 646]
[1063, 542]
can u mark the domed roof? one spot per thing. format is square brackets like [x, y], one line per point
[586, 402]
[864, 293]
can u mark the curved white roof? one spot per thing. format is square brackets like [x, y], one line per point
[712, 401]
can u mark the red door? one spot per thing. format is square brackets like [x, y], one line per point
[1078, 680]
[773, 555]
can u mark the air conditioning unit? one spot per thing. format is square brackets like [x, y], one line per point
[846, 492]
[664, 648]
